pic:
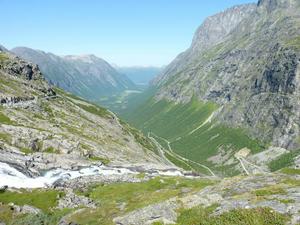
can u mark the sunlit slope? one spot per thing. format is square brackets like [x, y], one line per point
[192, 132]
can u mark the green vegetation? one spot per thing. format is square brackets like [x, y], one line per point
[119, 198]
[290, 171]
[5, 137]
[46, 108]
[96, 110]
[272, 190]
[5, 214]
[3, 56]
[67, 94]
[258, 216]
[286, 201]
[190, 133]
[26, 150]
[285, 160]
[294, 43]
[292, 182]
[4, 119]
[170, 120]
[42, 199]
[105, 161]
[51, 150]
[85, 105]
[49, 218]
[178, 162]
[138, 136]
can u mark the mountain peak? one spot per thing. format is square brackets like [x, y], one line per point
[88, 58]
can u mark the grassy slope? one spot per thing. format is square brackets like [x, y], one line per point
[285, 160]
[121, 198]
[259, 216]
[174, 122]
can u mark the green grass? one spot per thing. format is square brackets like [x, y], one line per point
[285, 160]
[67, 94]
[26, 150]
[178, 162]
[292, 182]
[132, 196]
[51, 150]
[4, 119]
[258, 216]
[294, 43]
[96, 110]
[137, 195]
[91, 108]
[290, 171]
[5, 137]
[272, 190]
[138, 136]
[105, 161]
[175, 122]
[6, 214]
[49, 218]
[170, 120]
[3, 56]
[286, 201]
[42, 199]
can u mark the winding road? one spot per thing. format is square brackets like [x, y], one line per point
[179, 157]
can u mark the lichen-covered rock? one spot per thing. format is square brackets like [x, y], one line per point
[162, 212]
[71, 200]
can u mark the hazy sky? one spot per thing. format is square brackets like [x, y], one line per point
[123, 32]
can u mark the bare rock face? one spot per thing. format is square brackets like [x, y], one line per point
[215, 28]
[17, 67]
[213, 31]
[271, 5]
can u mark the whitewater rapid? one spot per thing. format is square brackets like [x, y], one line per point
[11, 177]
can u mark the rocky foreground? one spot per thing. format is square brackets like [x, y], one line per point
[143, 198]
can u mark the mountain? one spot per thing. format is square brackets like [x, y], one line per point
[86, 76]
[37, 119]
[236, 87]
[140, 75]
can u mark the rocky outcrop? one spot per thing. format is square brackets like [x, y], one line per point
[235, 193]
[71, 201]
[25, 209]
[162, 212]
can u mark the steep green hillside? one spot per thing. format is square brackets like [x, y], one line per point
[192, 132]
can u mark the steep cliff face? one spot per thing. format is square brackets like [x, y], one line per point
[213, 31]
[251, 72]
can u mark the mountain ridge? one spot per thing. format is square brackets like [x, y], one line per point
[251, 77]
[87, 76]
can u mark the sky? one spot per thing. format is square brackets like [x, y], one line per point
[123, 32]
